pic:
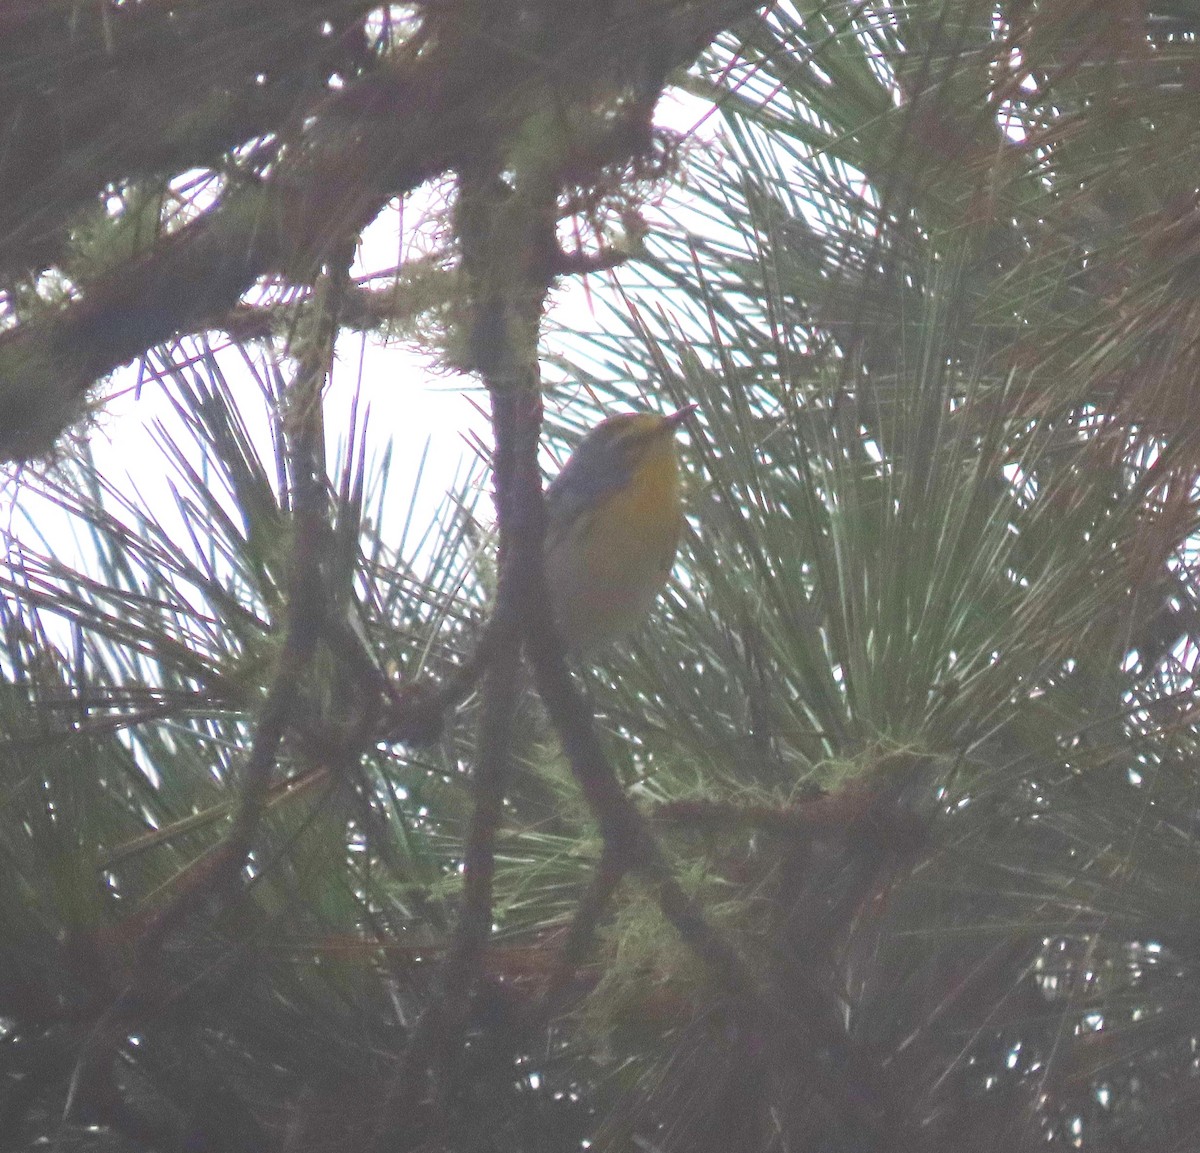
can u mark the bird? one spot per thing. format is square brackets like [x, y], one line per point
[614, 515]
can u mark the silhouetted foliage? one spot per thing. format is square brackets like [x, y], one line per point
[880, 836]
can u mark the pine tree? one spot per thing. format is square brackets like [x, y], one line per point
[879, 836]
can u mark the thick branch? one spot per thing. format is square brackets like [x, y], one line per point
[429, 112]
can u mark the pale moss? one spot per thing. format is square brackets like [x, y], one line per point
[651, 976]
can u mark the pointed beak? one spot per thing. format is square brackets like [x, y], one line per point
[675, 419]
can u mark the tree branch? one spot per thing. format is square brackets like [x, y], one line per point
[216, 881]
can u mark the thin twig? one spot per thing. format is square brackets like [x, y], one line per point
[215, 884]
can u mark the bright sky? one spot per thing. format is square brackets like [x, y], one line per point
[429, 417]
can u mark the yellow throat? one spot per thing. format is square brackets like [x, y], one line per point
[614, 519]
